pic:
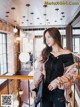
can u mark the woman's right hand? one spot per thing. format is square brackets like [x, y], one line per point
[34, 95]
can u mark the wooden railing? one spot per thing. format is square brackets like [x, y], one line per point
[22, 77]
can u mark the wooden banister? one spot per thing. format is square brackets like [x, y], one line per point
[22, 77]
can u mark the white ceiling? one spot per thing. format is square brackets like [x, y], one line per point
[36, 6]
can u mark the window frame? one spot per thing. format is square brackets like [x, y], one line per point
[74, 37]
[4, 73]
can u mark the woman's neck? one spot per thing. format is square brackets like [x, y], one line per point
[56, 48]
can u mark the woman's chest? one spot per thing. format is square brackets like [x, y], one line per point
[55, 63]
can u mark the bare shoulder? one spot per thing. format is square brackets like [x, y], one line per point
[66, 51]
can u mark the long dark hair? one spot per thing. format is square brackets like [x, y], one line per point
[55, 34]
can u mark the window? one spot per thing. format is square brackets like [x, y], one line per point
[76, 45]
[76, 41]
[64, 42]
[39, 45]
[3, 54]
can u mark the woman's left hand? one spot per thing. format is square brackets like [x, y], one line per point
[53, 85]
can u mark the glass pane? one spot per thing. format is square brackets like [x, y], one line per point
[0, 38]
[4, 58]
[76, 31]
[2, 70]
[4, 48]
[64, 42]
[0, 48]
[39, 45]
[76, 45]
[1, 59]
[4, 38]
[5, 68]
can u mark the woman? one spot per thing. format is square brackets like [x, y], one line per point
[59, 69]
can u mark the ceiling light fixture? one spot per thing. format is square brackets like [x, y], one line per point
[47, 19]
[28, 5]
[15, 29]
[7, 22]
[6, 16]
[61, 19]
[38, 18]
[27, 20]
[7, 12]
[62, 12]
[63, 16]
[45, 6]
[32, 18]
[31, 13]
[24, 16]
[57, 9]
[55, 21]
[44, 14]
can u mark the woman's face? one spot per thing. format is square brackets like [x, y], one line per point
[49, 40]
